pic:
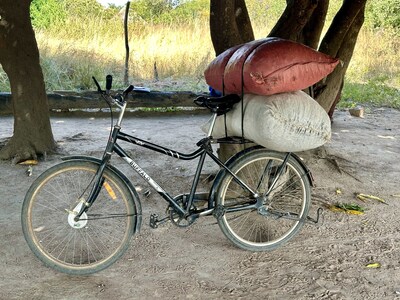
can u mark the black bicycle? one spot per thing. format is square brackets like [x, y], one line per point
[78, 216]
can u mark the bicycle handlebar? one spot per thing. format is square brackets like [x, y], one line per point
[119, 99]
[129, 89]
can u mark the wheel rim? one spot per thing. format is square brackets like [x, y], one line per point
[94, 243]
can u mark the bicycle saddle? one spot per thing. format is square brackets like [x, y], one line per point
[219, 105]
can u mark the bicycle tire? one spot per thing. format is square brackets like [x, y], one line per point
[84, 247]
[285, 209]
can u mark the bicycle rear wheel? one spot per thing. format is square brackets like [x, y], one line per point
[283, 211]
[91, 244]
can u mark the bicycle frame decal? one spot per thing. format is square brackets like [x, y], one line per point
[143, 174]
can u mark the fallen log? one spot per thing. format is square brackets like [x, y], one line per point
[64, 101]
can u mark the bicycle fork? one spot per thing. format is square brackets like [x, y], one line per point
[98, 178]
[98, 182]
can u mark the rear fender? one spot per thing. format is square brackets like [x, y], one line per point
[306, 169]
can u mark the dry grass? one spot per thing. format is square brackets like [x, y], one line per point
[376, 57]
[177, 55]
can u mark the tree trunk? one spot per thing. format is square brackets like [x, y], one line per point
[230, 24]
[340, 41]
[302, 21]
[19, 56]
[311, 32]
[294, 18]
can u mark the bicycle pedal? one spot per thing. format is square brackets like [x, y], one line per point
[154, 221]
[147, 193]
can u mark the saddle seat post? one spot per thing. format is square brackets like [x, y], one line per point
[213, 120]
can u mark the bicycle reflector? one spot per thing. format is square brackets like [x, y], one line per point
[109, 190]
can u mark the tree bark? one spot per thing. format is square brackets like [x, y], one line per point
[19, 56]
[340, 41]
[343, 21]
[311, 32]
[294, 18]
[230, 24]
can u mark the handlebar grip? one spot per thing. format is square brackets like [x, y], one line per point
[108, 82]
[128, 90]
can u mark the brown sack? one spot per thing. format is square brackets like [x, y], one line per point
[234, 66]
[270, 66]
[215, 70]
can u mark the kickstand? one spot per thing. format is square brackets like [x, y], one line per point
[315, 221]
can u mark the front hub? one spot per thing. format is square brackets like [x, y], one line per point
[77, 224]
[73, 213]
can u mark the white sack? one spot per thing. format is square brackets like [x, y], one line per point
[286, 122]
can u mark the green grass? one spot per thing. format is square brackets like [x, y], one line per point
[373, 92]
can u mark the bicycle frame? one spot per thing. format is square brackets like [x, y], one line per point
[204, 149]
[201, 153]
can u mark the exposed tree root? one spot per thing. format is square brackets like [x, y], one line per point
[19, 150]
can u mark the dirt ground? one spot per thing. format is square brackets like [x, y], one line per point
[325, 261]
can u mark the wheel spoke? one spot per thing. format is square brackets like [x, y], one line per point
[282, 210]
[92, 243]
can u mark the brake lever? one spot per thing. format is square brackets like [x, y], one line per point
[98, 85]
[106, 96]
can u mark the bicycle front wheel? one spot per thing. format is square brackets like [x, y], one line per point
[285, 200]
[101, 235]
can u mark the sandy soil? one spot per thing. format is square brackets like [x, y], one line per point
[324, 261]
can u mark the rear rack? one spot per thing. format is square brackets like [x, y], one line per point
[232, 140]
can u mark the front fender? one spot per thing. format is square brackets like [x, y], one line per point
[122, 176]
